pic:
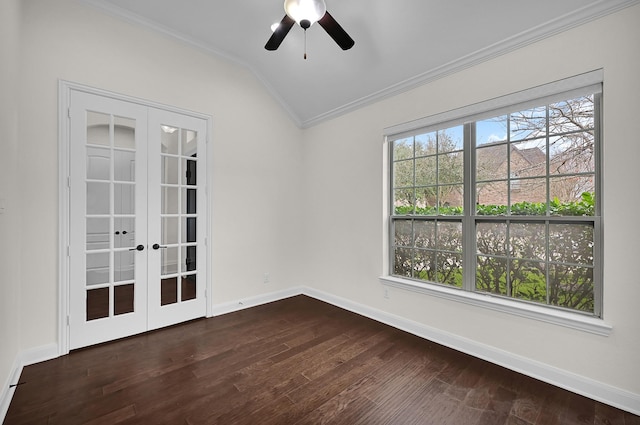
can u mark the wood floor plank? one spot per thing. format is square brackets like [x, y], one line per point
[295, 361]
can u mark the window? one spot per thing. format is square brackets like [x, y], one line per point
[503, 201]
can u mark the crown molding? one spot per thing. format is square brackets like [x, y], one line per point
[140, 21]
[556, 26]
[550, 28]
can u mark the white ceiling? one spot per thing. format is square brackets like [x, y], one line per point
[399, 44]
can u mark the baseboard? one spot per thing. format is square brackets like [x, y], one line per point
[24, 358]
[243, 303]
[7, 392]
[592, 389]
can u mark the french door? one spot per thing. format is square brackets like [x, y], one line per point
[137, 223]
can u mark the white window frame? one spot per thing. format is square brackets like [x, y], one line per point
[559, 90]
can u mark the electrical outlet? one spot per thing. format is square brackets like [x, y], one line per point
[386, 292]
[265, 278]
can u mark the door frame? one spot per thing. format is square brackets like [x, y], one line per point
[64, 149]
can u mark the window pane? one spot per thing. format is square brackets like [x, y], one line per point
[572, 153]
[169, 291]
[491, 163]
[189, 201]
[189, 142]
[492, 198]
[124, 266]
[491, 238]
[451, 199]
[98, 128]
[528, 124]
[98, 233]
[125, 232]
[403, 233]
[169, 170]
[169, 258]
[571, 287]
[528, 240]
[426, 168]
[571, 115]
[449, 269]
[123, 299]
[426, 144]
[450, 236]
[403, 201]
[450, 168]
[426, 200]
[425, 265]
[97, 268]
[402, 264]
[403, 149]
[189, 229]
[529, 159]
[169, 139]
[188, 287]
[571, 243]
[491, 131]
[450, 140]
[188, 256]
[98, 164]
[528, 280]
[124, 198]
[189, 172]
[124, 132]
[170, 200]
[403, 174]
[491, 274]
[571, 189]
[169, 231]
[528, 196]
[97, 303]
[98, 198]
[425, 234]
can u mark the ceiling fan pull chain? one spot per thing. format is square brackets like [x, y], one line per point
[305, 44]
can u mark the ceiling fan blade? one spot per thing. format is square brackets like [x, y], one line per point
[280, 33]
[336, 32]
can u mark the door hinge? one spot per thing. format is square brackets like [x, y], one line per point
[68, 321]
[68, 251]
[69, 112]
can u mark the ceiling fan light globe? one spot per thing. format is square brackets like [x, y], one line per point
[309, 10]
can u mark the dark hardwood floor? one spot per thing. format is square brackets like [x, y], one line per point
[296, 361]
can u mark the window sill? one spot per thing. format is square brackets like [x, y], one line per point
[557, 317]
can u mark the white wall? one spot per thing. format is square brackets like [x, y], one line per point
[343, 160]
[256, 149]
[10, 223]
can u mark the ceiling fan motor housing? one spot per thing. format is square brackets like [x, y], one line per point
[305, 12]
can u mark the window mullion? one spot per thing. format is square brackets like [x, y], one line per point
[468, 222]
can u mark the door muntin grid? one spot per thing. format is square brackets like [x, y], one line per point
[178, 214]
[110, 182]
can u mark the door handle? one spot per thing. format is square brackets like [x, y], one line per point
[138, 248]
[158, 246]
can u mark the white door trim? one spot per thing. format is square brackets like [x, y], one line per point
[64, 96]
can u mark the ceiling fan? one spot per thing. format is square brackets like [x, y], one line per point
[305, 13]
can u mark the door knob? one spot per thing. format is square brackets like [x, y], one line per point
[138, 248]
[158, 246]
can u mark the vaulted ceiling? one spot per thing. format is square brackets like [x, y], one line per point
[399, 44]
